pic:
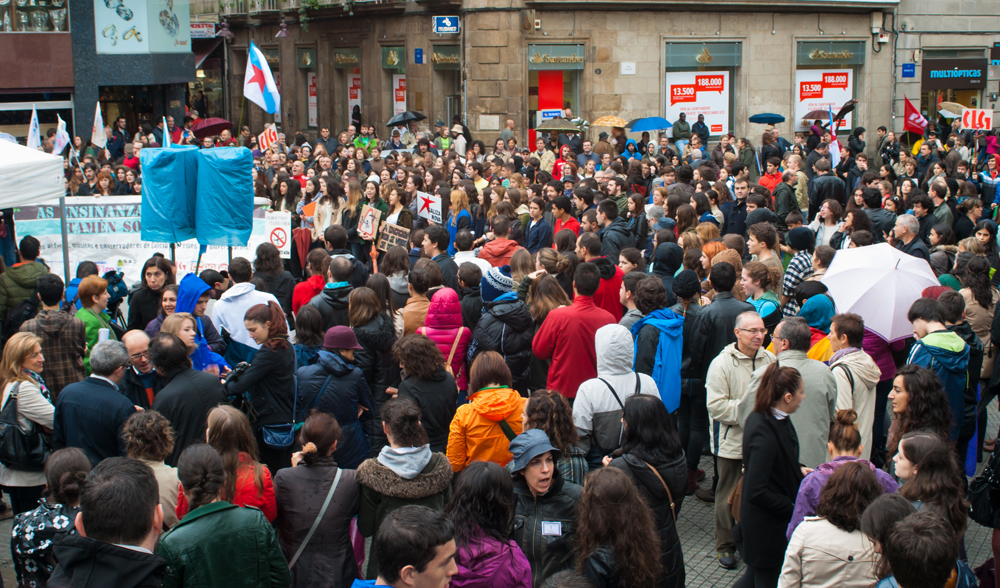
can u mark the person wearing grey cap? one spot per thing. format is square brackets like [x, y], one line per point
[545, 506]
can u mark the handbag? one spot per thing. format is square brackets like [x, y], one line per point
[454, 346]
[984, 494]
[282, 436]
[319, 517]
[20, 450]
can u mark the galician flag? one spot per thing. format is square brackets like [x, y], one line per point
[97, 136]
[166, 133]
[834, 143]
[62, 137]
[258, 85]
[34, 131]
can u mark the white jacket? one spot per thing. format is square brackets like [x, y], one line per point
[820, 555]
[864, 372]
[728, 377]
[596, 413]
[228, 311]
[32, 407]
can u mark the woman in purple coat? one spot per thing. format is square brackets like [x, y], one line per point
[845, 447]
[482, 510]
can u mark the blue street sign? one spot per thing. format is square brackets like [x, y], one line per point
[445, 25]
[418, 55]
[909, 70]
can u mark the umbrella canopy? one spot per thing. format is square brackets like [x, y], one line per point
[558, 124]
[404, 117]
[879, 283]
[817, 115]
[210, 126]
[767, 118]
[610, 121]
[950, 109]
[650, 123]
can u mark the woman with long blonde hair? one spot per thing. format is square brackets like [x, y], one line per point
[184, 326]
[21, 370]
[460, 217]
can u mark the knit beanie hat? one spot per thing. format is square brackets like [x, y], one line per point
[800, 239]
[686, 284]
[497, 281]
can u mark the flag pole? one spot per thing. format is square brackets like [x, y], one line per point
[242, 104]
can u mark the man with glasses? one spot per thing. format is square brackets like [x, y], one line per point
[141, 383]
[792, 339]
[728, 376]
[90, 414]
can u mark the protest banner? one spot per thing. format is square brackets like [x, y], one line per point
[429, 207]
[106, 230]
[391, 235]
[368, 223]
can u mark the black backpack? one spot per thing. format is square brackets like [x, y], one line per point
[19, 315]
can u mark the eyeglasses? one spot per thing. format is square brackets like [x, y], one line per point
[144, 354]
[754, 331]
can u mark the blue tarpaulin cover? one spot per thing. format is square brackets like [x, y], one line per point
[224, 209]
[169, 191]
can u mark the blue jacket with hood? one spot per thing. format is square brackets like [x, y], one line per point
[343, 394]
[666, 368]
[947, 355]
[190, 290]
[630, 155]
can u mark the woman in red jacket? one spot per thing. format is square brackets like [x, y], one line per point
[248, 483]
[444, 326]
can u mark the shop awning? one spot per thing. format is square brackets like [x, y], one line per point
[202, 49]
[29, 176]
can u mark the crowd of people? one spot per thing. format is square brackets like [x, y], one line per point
[524, 394]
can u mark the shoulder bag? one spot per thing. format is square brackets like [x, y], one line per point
[20, 450]
[451, 355]
[670, 496]
[319, 517]
[984, 493]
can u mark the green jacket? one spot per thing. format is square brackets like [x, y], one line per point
[18, 283]
[221, 545]
[93, 323]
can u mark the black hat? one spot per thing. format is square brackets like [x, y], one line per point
[602, 136]
[686, 284]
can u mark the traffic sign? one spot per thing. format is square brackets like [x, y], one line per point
[446, 25]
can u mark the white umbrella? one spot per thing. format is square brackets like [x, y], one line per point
[879, 283]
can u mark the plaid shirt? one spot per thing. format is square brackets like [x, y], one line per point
[798, 270]
[64, 343]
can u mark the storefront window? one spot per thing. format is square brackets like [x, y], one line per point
[34, 16]
[955, 80]
[394, 78]
[826, 78]
[553, 82]
[15, 113]
[699, 81]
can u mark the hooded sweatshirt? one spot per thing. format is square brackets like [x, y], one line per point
[228, 313]
[475, 435]
[498, 251]
[190, 290]
[444, 326]
[306, 291]
[488, 563]
[332, 304]
[857, 374]
[947, 355]
[667, 258]
[597, 411]
[608, 295]
[567, 337]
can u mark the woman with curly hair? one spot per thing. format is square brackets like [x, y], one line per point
[919, 404]
[934, 481]
[549, 411]
[829, 550]
[482, 511]
[149, 438]
[613, 555]
[980, 302]
[652, 457]
[428, 385]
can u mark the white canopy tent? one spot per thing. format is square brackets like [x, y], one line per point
[28, 176]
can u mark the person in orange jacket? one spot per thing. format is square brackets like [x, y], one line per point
[482, 429]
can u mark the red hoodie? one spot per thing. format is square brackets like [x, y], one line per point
[567, 337]
[498, 252]
[608, 295]
[305, 291]
[769, 181]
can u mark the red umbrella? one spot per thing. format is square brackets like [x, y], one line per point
[302, 239]
[210, 126]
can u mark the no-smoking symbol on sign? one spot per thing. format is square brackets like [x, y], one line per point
[279, 237]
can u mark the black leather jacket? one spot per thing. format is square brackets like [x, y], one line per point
[715, 329]
[549, 553]
[507, 328]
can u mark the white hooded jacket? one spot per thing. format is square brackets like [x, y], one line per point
[597, 413]
[857, 375]
[228, 312]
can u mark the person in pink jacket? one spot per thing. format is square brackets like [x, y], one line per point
[444, 327]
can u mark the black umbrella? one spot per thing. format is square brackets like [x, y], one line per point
[404, 117]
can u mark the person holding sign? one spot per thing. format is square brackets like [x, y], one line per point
[398, 213]
[350, 216]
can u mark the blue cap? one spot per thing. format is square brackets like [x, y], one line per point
[529, 445]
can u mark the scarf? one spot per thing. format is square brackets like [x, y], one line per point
[842, 353]
[406, 462]
[37, 379]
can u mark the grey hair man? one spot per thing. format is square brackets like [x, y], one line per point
[90, 414]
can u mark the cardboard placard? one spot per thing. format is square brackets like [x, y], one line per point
[391, 235]
[368, 223]
[429, 207]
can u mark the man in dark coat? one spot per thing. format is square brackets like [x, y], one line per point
[336, 244]
[436, 239]
[90, 414]
[141, 383]
[825, 185]
[188, 395]
[332, 301]
[469, 276]
[716, 323]
[615, 234]
[506, 326]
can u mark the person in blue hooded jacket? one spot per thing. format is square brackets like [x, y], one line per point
[332, 384]
[192, 296]
[943, 352]
[632, 150]
[659, 340]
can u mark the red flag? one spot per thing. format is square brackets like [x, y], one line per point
[915, 122]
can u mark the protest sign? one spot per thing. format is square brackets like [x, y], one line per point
[429, 207]
[391, 235]
[368, 223]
